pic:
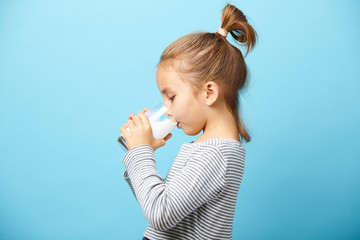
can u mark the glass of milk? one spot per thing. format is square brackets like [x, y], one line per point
[161, 124]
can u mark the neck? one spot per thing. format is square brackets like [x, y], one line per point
[220, 124]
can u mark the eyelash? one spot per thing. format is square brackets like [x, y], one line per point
[172, 98]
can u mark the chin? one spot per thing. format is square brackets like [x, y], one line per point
[191, 132]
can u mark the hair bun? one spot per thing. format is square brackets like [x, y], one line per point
[234, 21]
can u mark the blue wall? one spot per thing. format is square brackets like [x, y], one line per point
[72, 71]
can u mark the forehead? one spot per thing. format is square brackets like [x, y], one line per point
[169, 80]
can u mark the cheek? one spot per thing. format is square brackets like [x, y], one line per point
[184, 108]
[186, 115]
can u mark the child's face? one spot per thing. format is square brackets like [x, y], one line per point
[183, 106]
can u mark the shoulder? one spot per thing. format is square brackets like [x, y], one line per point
[224, 146]
[207, 154]
[214, 148]
[232, 148]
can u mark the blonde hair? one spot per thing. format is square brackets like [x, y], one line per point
[202, 57]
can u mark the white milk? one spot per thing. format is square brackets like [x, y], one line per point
[160, 128]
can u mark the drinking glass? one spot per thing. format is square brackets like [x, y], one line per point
[161, 124]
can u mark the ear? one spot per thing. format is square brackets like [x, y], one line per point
[211, 92]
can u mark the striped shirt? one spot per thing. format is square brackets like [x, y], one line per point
[197, 198]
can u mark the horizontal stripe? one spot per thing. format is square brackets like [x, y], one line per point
[197, 198]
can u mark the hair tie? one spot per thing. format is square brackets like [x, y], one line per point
[223, 32]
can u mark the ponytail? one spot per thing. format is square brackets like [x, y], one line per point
[234, 21]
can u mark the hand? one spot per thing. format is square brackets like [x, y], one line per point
[139, 132]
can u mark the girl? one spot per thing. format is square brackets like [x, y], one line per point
[199, 76]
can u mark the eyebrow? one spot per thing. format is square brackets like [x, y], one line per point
[166, 90]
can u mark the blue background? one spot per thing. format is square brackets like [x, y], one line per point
[72, 71]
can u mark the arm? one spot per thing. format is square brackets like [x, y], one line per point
[164, 204]
[138, 132]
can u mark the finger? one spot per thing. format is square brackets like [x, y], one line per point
[159, 143]
[168, 137]
[144, 119]
[123, 130]
[126, 125]
[145, 110]
[136, 120]
[131, 123]
[131, 115]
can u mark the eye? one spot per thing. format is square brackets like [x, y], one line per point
[172, 98]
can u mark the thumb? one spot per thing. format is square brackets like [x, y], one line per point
[168, 137]
[159, 143]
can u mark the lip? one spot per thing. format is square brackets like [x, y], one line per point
[178, 125]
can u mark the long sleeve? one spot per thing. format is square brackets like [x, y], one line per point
[127, 179]
[163, 203]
